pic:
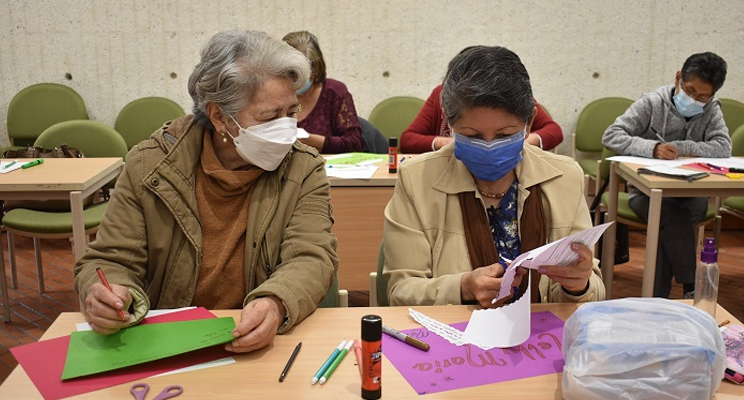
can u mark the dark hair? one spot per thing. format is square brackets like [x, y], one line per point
[307, 43]
[707, 66]
[487, 76]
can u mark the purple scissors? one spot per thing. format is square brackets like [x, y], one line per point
[139, 390]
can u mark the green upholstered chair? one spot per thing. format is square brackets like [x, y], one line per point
[735, 205]
[593, 121]
[141, 117]
[733, 114]
[335, 297]
[393, 115]
[38, 107]
[378, 284]
[95, 140]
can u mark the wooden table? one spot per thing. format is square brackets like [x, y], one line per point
[358, 207]
[70, 179]
[255, 375]
[655, 187]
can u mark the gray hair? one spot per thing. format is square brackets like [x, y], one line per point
[234, 65]
[487, 76]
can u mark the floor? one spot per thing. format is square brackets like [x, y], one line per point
[33, 313]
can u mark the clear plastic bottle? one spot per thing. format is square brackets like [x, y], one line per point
[706, 278]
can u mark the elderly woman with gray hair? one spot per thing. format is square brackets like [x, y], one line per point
[458, 216]
[222, 208]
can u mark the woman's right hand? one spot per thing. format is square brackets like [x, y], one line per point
[483, 284]
[101, 307]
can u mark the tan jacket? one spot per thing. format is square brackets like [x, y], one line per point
[424, 239]
[150, 238]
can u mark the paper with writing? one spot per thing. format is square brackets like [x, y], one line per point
[448, 367]
[555, 253]
[358, 159]
[90, 353]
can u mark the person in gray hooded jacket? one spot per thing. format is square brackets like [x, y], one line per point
[681, 120]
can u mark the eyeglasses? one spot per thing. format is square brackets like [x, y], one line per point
[704, 98]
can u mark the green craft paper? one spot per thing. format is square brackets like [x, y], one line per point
[355, 158]
[90, 353]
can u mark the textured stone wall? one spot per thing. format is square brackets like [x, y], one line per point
[113, 52]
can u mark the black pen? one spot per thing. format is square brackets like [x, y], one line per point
[289, 363]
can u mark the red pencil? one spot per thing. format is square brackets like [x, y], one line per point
[105, 283]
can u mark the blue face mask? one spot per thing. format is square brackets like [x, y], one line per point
[686, 105]
[304, 88]
[490, 161]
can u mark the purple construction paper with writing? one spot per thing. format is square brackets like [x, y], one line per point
[448, 367]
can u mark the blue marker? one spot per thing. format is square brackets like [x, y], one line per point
[328, 362]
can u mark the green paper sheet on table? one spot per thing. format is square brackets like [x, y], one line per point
[355, 158]
[90, 353]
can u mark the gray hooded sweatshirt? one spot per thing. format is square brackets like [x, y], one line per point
[634, 132]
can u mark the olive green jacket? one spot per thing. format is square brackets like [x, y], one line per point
[426, 254]
[150, 239]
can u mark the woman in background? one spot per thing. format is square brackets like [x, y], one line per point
[327, 110]
[430, 130]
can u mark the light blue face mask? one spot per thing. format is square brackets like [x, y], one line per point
[305, 88]
[490, 161]
[686, 105]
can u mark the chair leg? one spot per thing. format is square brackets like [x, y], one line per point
[39, 269]
[717, 230]
[373, 290]
[12, 258]
[343, 298]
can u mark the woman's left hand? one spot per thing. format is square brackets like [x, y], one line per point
[573, 278]
[259, 322]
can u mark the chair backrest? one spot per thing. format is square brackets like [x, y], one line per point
[594, 119]
[393, 115]
[737, 142]
[331, 299]
[733, 113]
[94, 138]
[141, 117]
[382, 281]
[40, 106]
[374, 140]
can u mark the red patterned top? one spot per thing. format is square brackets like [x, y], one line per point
[334, 116]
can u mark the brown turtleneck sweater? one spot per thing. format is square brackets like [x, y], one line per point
[222, 197]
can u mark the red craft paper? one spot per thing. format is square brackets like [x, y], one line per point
[44, 362]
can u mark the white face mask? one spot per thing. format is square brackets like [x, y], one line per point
[266, 145]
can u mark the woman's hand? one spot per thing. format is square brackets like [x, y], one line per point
[101, 307]
[259, 322]
[665, 151]
[483, 284]
[317, 141]
[573, 278]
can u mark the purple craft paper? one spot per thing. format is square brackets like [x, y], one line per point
[448, 367]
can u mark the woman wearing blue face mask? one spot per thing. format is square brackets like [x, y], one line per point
[327, 112]
[458, 216]
[222, 208]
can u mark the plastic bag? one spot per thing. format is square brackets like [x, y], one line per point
[647, 348]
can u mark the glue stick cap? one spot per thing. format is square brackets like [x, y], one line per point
[709, 254]
[371, 328]
[393, 142]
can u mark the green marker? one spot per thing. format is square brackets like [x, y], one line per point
[335, 363]
[32, 163]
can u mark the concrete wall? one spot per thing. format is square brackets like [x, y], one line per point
[115, 51]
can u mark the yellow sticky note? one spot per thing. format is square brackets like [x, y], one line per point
[735, 175]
